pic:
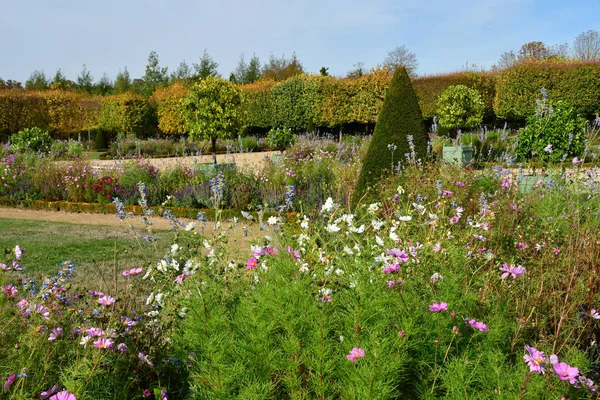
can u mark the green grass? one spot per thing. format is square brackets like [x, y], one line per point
[94, 155]
[92, 248]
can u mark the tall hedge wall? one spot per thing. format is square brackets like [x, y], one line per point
[519, 87]
[259, 103]
[167, 102]
[127, 114]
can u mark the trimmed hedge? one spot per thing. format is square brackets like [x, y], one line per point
[128, 114]
[518, 88]
[167, 101]
[400, 117]
[259, 103]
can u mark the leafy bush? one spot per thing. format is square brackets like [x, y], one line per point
[280, 138]
[553, 133]
[128, 114]
[400, 132]
[460, 107]
[33, 139]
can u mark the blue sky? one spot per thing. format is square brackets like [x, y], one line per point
[107, 35]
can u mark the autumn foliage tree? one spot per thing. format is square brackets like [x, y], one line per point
[213, 110]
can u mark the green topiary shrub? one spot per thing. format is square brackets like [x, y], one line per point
[34, 139]
[553, 133]
[400, 134]
[280, 138]
[460, 107]
[100, 140]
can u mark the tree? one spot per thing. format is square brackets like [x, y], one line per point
[253, 71]
[400, 130]
[586, 46]
[324, 71]
[85, 80]
[155, 76]
[401, 57]
[357, 70]
[534, 51]
[280, 69]
[122, 82]
[239, 75]
[207, 67]
[60, 81]
[104, 86]
[10, 84]
[182, 73]
[460, 107]
[37, 81]
[507, 60]
[213, 110]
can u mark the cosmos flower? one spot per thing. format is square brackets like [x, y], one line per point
[355, 354]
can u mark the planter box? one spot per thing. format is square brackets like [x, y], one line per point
[459, 155]
[529, 182]
[210, 169]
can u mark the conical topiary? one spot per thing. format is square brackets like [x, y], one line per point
[400, 117]
[100, 140]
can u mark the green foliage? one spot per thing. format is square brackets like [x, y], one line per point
[33, 139]
[37, 81]
[100, 142]
[399, 120]
[128, 114]
[155, 76]
[207, 67]
[259, 105]
[556, 125]
[168, 107]
[213, 110]
[460, 107]
[21, 109]
[573, 83]
[280, 138]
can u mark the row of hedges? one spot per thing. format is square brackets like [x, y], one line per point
[57, 111]
[576, 84]
[305, 101]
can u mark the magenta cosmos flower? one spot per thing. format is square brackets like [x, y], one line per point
[480, 326]
[10, 381]
[104, 343]
[399, 254]
[566, 372]
[511, 270]
[64, 395]
[251, 263]
[106, 300]
[535, 359]
[132, 271]
[18, 252]
[355, 354]
[438, 307]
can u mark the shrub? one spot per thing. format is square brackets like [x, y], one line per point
[460, 107]
[170, 118]
[400, 132]
[100, 142]
[34, 139]
[280, 138]
[128, 114]
[553, 133]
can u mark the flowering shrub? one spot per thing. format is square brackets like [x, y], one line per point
[34, 139]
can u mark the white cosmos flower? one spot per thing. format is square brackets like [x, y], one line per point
[348, 250]
[373, 208]
[174, 248]
[379, 241]
[273, 220]
[332, 228]
[190, 226]
[304, 268]
[328, 206]
[360, 229]
[339, 272]
[376, 224]
[405, 218]
[304, 223]
[394, 236]
[150, 299]
[419, 208]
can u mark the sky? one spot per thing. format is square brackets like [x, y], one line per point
[108, 35]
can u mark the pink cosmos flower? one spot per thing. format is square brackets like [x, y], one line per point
[179, 280]
[272, 251]
[128, 321]
[388, 269]
[18, 252]
[535, 359]
[10, 290]
[293, 253]
[146, 393]
[355, 354]
[122, 347]
[438, 307]
[16, 266]
[595, 314]
[522, 245]
[4, 267]
[64, 395]
[163, 395]
[49, 392]
[94, 332]
[132, 271]
[144, 358]
[506, 183]
[251, 263]
[23, 304]
[391, 283]
[480, 326]
[512, 271]
[556, 251]
[106, 300]
[566, 372]
[10, 381]
[437, 247]
[258, 252]
[399, 254]
[55, 334]
[576, 161]
[104, 343]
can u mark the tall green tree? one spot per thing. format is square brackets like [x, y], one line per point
[241, 70]
[104, 86]
[37, 81]
[253, 70]
[155, 76]
[182, 73]
[207, 67]
[280, 69]
[400, 130]
[213, 110]
[122, 82]
[60, 81]
[85, 81]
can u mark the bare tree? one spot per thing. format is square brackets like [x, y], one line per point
[586, 46]
[534, 51]
[357, 70]
[401, 57]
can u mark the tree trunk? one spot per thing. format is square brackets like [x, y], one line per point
[214, 149]
[341, 128]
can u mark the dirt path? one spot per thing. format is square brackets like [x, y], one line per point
[81, 218]
[251, 161]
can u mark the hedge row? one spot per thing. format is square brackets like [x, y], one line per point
[577, 84]
[58, 111]
[128, 114]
